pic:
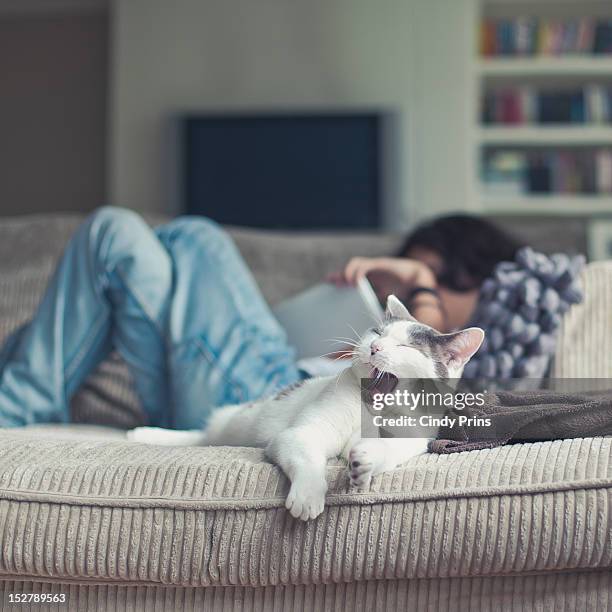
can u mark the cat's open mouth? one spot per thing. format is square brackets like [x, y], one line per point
[382, 382]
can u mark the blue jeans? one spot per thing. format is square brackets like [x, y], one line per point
[178, 303]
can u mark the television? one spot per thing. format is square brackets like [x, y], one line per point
[284, 171]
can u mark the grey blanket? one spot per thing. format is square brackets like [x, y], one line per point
[524, 416]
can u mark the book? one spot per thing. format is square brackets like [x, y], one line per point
[603, 37]
[317, 317]
[603, 172]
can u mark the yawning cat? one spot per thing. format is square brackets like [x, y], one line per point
[307, 424]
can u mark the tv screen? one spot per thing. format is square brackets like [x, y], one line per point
[284, 171]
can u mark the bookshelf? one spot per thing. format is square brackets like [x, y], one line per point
[545, 66]
[563, 205]
[547, 135]
[538, 72]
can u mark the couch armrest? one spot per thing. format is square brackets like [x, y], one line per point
[584, 348]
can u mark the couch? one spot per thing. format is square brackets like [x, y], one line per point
[107, 524]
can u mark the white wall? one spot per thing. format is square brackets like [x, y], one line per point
[445, 43]
[182, 55]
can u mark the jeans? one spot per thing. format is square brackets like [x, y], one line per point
[178, 303]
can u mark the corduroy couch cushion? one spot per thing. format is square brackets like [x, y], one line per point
[99, 510]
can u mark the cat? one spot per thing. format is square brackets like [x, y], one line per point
[303, 426]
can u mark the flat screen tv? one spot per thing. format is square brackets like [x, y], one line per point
[289, 171]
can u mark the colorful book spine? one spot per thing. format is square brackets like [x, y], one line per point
[562, 172]
[603, 170]
[524, 104]
[524, 36]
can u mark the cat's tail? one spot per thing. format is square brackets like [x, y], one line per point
[167, 437]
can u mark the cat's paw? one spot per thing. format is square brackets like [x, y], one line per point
[306, 498]
[365, 461]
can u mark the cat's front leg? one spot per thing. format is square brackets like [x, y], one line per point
[303, 459]
[371, 456]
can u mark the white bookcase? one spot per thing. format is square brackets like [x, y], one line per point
[536, 70]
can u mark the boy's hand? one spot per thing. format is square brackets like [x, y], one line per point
[387, 274]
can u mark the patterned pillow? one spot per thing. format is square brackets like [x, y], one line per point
[520, 309]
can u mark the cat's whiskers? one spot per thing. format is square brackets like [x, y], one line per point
[339, 377]
[341, 355]
[344, 338]
[345, 356]
[359, 336]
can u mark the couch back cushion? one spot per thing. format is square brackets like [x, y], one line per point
[285, 264]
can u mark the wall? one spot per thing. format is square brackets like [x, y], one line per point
[444, 47]
[170, 57]
[53, 79]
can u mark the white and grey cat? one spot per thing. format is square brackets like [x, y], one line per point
[307, 424]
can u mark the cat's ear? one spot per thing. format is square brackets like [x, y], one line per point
[395, 309]
[457, 348]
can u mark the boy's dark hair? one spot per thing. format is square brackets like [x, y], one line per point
[470, 248]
